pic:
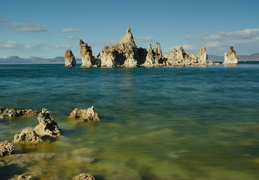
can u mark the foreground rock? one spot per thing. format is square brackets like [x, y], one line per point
[11, 113]
[84, 176]
[25, 177]
[47, 129]
[86, 54]
[85, 115]
[231, 58]
[6, 148]
[69, 58]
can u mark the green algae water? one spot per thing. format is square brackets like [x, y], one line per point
[164, 123]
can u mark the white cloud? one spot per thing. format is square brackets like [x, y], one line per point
[72, 37]
[5, 19]
[69, 30]
[14, 45]
[63, 46]
[146, 39]
[27, 27]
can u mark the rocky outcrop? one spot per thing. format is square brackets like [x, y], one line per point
[108, 56]
[181, 58]
[6, 148]
[230, 58]
[85, 115]
[86, 54]
[11, 113]
[122, 54]
[69, 58]
[25, 177]
[47, 126]
[47, 129]
[150, 59]
[84, 176]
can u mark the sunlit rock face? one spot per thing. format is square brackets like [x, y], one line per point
[69, 58]
[230, 58]
[86, 54]
[108, 56]
[181, 58]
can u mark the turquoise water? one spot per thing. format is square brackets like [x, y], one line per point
[188, 123]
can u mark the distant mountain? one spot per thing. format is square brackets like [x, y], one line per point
[17, 59]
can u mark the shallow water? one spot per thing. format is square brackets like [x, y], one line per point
[156, 123]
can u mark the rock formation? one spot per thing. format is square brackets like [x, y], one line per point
[230, 58]
[150, 60]
[47, 126]
[158, 54]
[84, 176]
[25, 177]
[108, 56]
[181, 58]
[11, 113]
[86, 54]
[6, 148]
[85, 115]
[122, 54]
[69, 58]
[45, 130]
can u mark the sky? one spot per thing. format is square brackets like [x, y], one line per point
[33, 28]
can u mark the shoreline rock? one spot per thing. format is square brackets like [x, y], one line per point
[6, 148]
[230, 58]
[9, 113]
[47, 129]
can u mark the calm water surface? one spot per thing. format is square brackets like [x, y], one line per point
[165, 123]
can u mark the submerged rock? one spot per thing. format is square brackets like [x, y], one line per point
[86, 54]
[11, 113]
[85, 115]
[69, 58]
[230, 58]
[6, 148]
[25, 177]
[84, 176]
[45, 130]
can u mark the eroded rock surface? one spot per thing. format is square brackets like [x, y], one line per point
[231, 58]
[85, 115]
[25, 177]
[84, 176]
[181, 58]
[86, 54]
[69, 58]
[46, 129]
[108, 56]
[11, 113]
[47, 126]
[6, 148]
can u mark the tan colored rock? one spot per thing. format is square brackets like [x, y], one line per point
[85, 115]
[28, 135]
[150, 60]
[25, 177]
[47, 129]
[108, 56]
[12, 113]
[69, 58]
[230, 58]
[86, 54]
[84, 176]
[6, 148]
[47, 126]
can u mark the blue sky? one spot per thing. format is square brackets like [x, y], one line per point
[47, 28]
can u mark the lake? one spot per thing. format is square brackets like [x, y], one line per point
[168, 123]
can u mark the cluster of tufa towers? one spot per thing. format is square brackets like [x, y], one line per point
[126, 54]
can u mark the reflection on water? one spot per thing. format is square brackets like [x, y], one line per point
[156, 123]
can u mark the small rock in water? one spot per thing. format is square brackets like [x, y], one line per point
[6, 148]
[85, 115]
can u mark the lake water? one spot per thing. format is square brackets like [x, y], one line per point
[188, 123]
